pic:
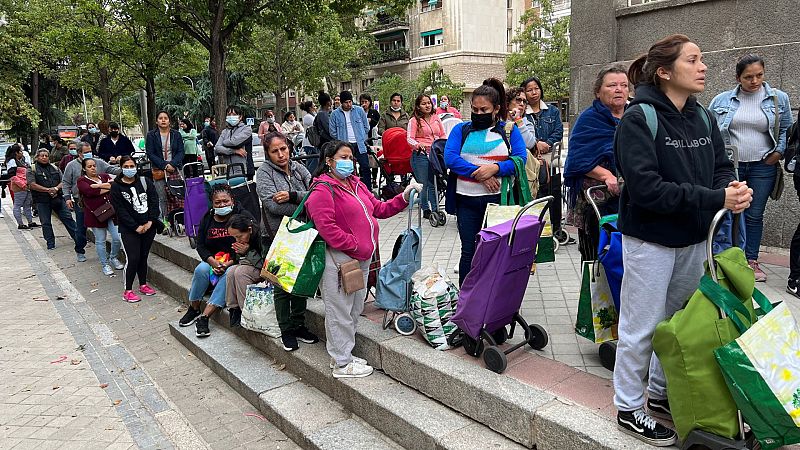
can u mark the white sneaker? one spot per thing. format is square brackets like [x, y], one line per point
[353, 370]
[356, 360]
[108, 271]
[2, 216]
[117, 264]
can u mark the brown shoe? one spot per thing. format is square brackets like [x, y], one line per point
[759, 274]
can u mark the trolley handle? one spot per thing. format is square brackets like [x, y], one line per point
[183, 170]
[525, 208]
[588, 195]
[412, 197]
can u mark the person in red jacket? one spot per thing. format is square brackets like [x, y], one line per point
[345, 212]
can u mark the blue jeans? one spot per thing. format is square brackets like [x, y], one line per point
[470, 212]
[100, 242]
[760, 177]
[424, 175]
[311, 163]
[58, 206]
[200, 282]
[80, 229]
[364, 172]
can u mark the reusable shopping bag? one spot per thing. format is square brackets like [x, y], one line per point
[296, 258]
[597, 316]
[762, 370]
[433, 302]
[258, 313]
[685, 344]
[393, 292]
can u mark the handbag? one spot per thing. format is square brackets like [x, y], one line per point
[351, 277]
[777, 188]
[104, 212]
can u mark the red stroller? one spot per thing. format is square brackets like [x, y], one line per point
[394, 160]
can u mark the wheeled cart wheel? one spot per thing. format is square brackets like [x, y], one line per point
[500, 336]
[538, 338]
[561, 236]
[405, 324]
[434, 219]
[608, 354]
[442, 219]
[495, 359]
[473, 347]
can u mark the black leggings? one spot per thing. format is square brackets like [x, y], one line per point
[137, 248]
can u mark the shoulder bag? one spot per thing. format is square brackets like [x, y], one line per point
[777, 188]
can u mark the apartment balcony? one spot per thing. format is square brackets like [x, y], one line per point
[398, 54]
[384, 24]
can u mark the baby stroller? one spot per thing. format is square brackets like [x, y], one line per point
[195, 202]
[395, 161]
[438, 170]
[393, 290]
[492, 293]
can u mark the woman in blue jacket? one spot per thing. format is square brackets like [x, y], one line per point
[164, 148]
[480, 162]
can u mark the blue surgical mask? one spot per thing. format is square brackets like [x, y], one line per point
[73, 152]
[129, 172]
[88, 156]
[344, 167]
[93, 130]
[232, 120]
[224, 211]
[208, 124]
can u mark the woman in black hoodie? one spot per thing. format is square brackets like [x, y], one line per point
[135, 202]
[677, 175]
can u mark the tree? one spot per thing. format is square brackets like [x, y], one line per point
[387, 84]
[433, 80]
[543, 50]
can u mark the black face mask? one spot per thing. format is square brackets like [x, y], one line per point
[482, 121]
[114, 134]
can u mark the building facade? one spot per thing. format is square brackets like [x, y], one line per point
[468, 39]
[606, 31]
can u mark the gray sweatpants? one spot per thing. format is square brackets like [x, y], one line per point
[236, 281]
[22, 205]
[161, 190]
[657, 282]
[341, 310]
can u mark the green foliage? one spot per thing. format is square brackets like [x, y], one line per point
[382, 89]
[545, 57]
[432, 80]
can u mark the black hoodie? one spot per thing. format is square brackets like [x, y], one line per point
[676, 183]
[135, 204]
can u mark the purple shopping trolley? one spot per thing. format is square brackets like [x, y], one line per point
[492, 293]
[195, 203]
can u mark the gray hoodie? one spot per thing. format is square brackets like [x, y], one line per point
[270, 179]
[73, 171]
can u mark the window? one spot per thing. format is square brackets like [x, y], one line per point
[292, 93]
[436, 77]
[431, 38]
[366, 83]
[430, 5]
[347, 85]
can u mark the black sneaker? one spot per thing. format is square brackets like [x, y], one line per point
[641, 426]
[236, 317]
[189, 318]
[792, 287]
[33, 225]
[201, 327]
[289, 342]
[23, 227]
[303, 335]
[426, 214]
[659, 408]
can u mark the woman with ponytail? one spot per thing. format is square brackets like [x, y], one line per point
[480, 162]
[674, 184]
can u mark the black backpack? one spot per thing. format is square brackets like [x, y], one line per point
[790, 154]
[312, 134]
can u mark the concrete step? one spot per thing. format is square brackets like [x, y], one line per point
[306, 415]
[523, 413]
[404, 415]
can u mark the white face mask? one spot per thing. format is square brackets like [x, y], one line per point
[395, 109]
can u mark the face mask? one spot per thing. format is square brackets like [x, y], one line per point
[482, 121]
[208, 124]
[270, 120]
[93, 130]
[129, 172]
[224, 211]
[443, 105]
[232, 120]
[344, 168]
[87, 156]
[73, 152]
[395, 109]
[114, 134]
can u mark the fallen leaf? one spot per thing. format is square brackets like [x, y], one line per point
[104, 385]
[61, 359]
[117, 402]
[56, 387]
[80, 348]
[75, 362]
[152, 318]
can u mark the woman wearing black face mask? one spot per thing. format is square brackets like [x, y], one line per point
[479, 165]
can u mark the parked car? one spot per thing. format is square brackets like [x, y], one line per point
[258, 151]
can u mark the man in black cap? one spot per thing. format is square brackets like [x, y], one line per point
[351, 125]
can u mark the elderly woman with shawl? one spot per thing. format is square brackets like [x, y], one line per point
[590, 161]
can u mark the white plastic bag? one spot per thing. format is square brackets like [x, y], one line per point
[258, 313]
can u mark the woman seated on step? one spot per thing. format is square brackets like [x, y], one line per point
[216, 250]
[249, 251]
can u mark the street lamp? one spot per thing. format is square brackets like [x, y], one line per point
[190, 81]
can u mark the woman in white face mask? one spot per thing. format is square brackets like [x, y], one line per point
[345, 212]
[395, 116]
[235, 143]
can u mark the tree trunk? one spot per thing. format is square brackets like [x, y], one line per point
[150, 87]
[219, 83]
[35, 104]
[104, 92]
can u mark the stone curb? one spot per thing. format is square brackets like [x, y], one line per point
[519, 411]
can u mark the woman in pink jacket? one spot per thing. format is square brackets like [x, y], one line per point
[424, 127]
[345, 212]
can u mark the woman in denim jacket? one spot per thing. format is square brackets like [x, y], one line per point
[746, 116]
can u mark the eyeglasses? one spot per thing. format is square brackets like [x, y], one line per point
[522, 101]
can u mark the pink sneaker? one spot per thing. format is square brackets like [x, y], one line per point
[759, 274]
[147, 290]
[130, 297]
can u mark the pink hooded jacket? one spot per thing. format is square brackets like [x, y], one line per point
[346, 221]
